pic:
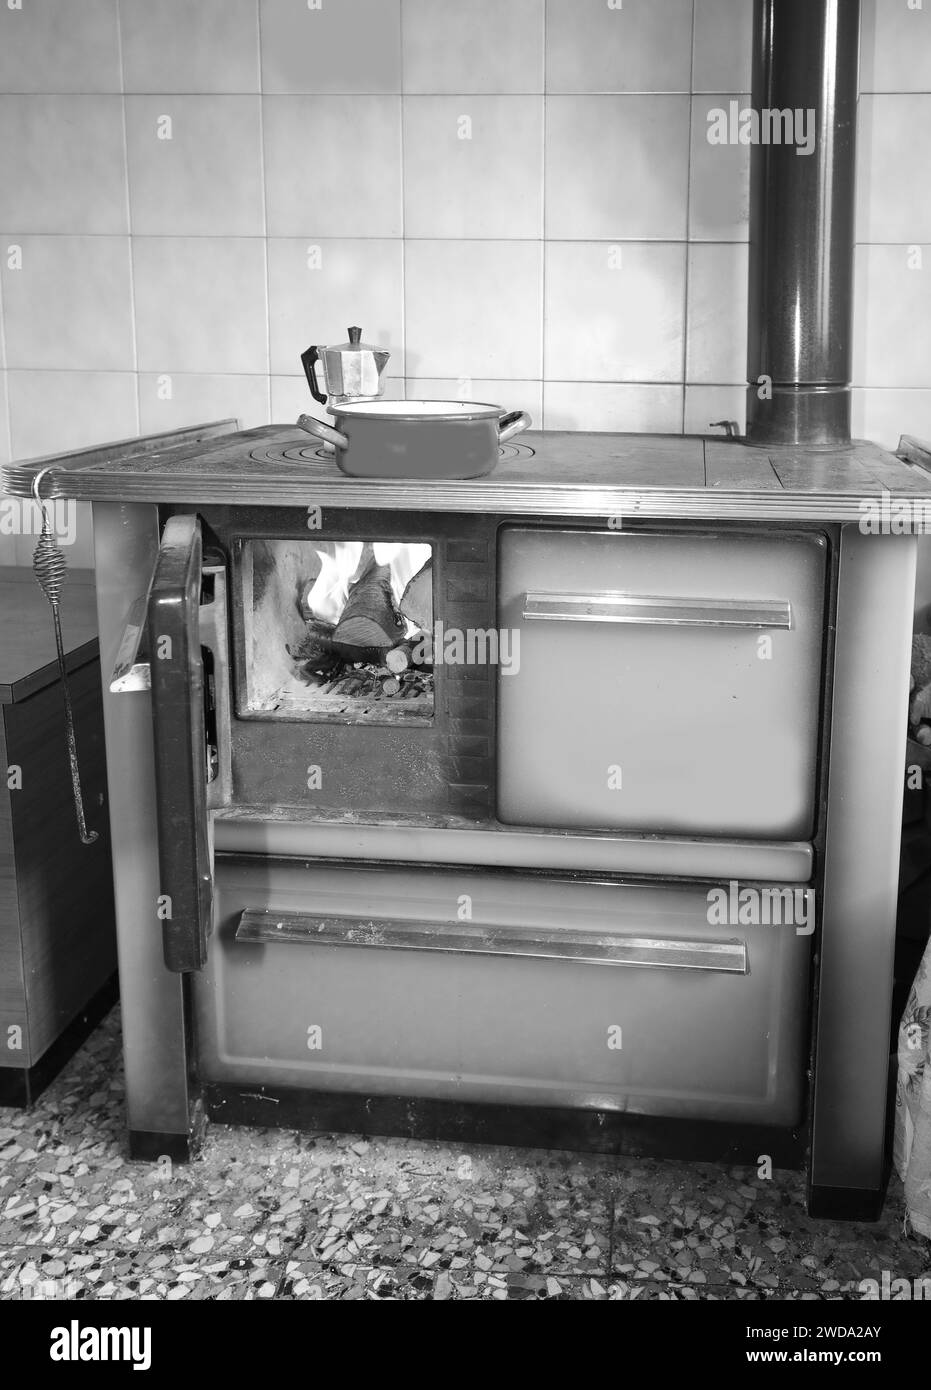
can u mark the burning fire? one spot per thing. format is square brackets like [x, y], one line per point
[342, 563]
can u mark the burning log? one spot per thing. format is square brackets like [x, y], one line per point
[414, 651]
[399, 658]
[316, 650]
[369, 621]
[417, 599]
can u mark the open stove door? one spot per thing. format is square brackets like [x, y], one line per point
[178, 687]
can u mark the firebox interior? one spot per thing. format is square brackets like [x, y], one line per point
[336, 630]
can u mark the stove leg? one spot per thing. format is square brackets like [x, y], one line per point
[146, 1146]
[161, 1097]
[869, 702]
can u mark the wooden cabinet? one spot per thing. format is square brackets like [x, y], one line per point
[57, 941]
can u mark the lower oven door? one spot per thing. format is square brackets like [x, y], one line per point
[509, 988]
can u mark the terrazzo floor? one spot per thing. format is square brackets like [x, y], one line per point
[278, 1215]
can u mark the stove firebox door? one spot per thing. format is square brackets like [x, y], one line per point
[177, 678]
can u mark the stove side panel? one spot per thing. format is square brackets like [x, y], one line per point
[869, 704]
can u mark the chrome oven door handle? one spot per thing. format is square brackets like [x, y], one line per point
[177, 677]
[264, 926]
[657, 610]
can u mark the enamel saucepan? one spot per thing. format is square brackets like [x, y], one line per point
[417, 439]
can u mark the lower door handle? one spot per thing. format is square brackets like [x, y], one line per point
[264, 926]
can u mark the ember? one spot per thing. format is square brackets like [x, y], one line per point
[372, 682]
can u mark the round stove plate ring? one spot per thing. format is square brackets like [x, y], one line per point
[314, 453]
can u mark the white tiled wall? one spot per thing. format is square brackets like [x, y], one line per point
[892, 301]
[516, 197]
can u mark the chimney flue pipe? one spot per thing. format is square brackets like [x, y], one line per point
[805, 75]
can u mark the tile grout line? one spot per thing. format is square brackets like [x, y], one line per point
[6, 388]
[564, 380]
[530, 241]
[355, 92]
[129, 227]
[265, 236]
[403, 237]
[543, 242]
[688, 244]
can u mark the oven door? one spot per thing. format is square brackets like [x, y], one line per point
[509, 988]
[664, 683]
[185, 757]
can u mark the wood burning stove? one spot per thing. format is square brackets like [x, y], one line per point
[629, 882]
[490, 981]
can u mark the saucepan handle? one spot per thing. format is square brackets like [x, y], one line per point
[309, 360]
[334, 437]
[514, 423]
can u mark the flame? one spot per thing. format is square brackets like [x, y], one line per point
[342, 563]
[338, 563]
[404, 559]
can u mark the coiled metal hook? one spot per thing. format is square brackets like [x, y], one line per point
[49, 567]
